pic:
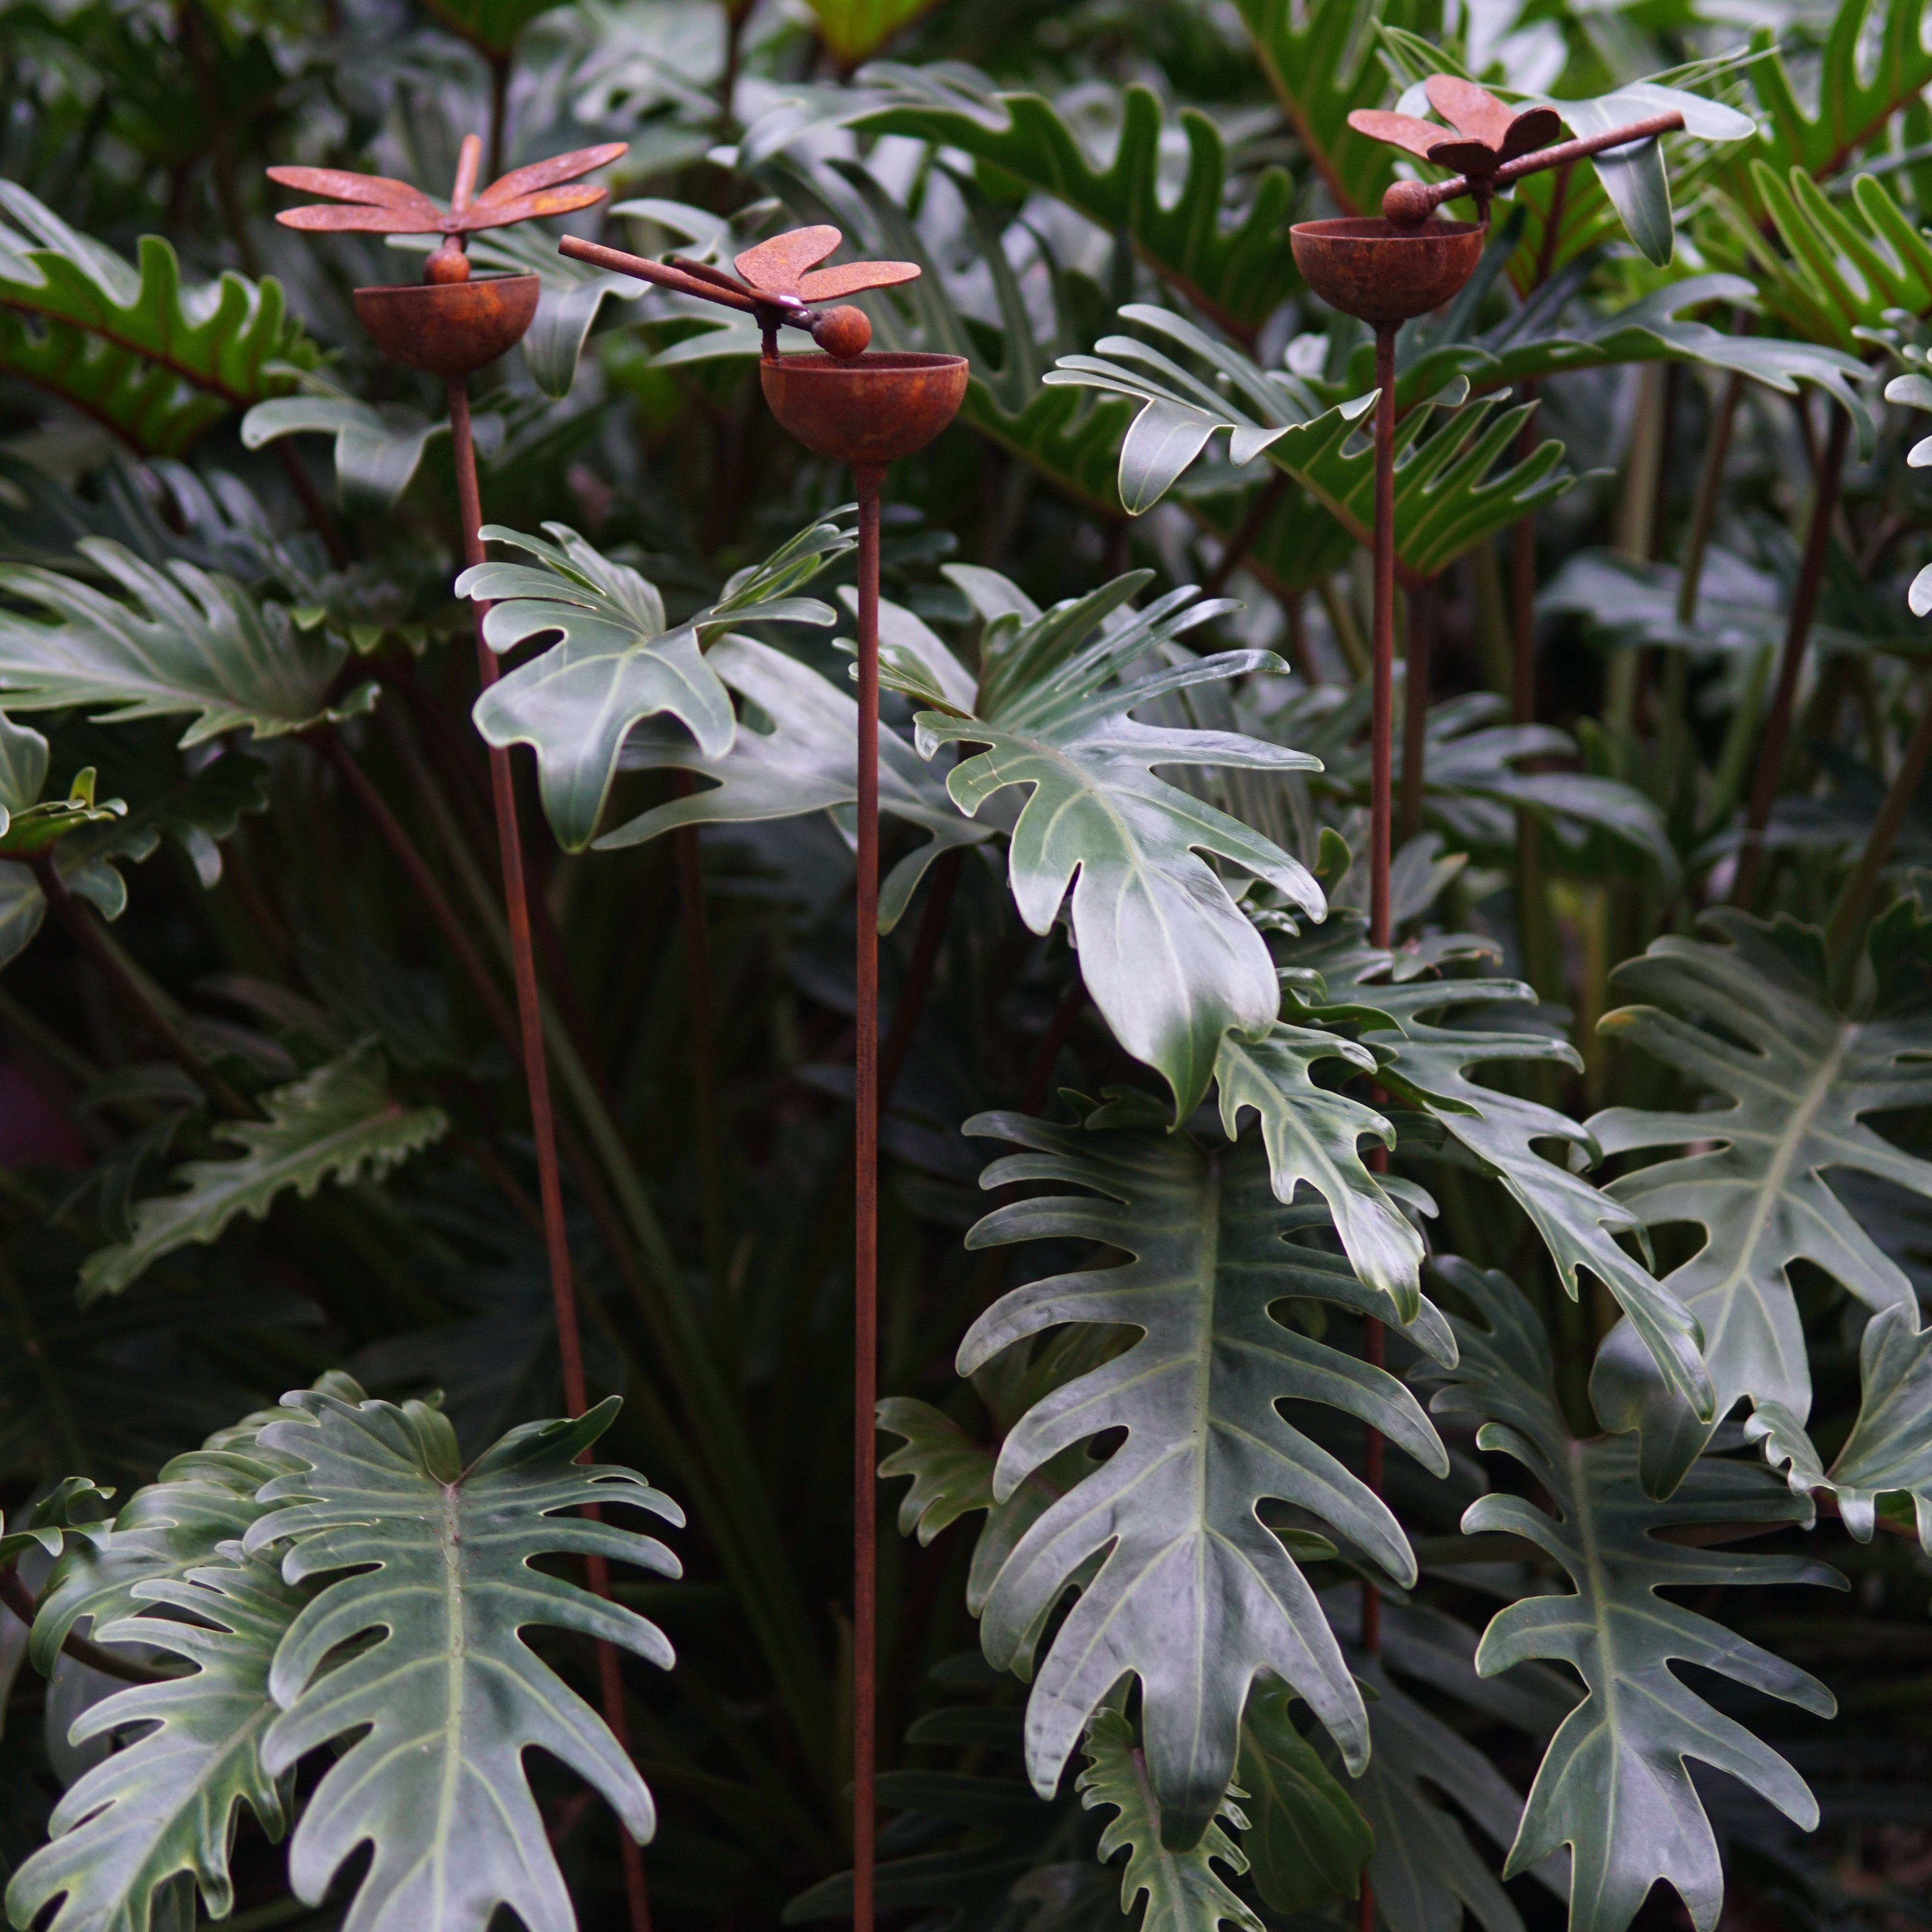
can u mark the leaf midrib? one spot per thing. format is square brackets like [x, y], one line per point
[1743, 1267]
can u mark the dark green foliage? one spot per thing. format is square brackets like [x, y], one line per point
[1171, 1636]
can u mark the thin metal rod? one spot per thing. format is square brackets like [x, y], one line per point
[867, 477]
[1382, 640]
[1381, 731]
[641, 268]
[1415, 704]
[1803, 602]
[536, 1075]
[1562, 155]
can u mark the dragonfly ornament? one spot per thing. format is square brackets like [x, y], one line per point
[375, 205]
[777, 282]
[1491, 145]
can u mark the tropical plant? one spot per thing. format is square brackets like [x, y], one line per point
[403, 1166]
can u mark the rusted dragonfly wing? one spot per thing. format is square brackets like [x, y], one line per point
[849, 278]
[783, 268]
[521, 181]
[482, 213]
[374, 204]
[1399, 130]
[777, 267]
[377, 204]
[1481, 119]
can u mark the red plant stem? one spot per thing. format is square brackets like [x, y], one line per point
[1052, 1044]
[402, 849]
[867, 477]
[1382, 645]
[536, 1075]
[169, 1036]
[20, 1600]
[1804, 603]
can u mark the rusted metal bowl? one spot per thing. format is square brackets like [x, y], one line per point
[450, 328]
[1365, 267]
[875, 409]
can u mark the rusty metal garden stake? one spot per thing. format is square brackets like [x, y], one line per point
[865, 411]
[450, 326]
[1386, 271]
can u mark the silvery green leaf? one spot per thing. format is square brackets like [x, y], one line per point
[1183, 1891]
[1167, 955]
[188, 641]
[616, 660]
[1799, 1076]
[395, 1541]
[808, 761]
[1192, 1593]
[1615, 1784]
[1313, 1135]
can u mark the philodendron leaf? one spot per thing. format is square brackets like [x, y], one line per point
[166, 1804]
[434, 1562]
[93, 841]
[28, 823]
[158, 363]
[45, 1524]
[808, 761]
[1874, 61]
[1424, 1871]
[1183, 1891]
[339, 1122]
[1430, 1067]
[168, 1528]
[1614, 1785]
[188, 642]
[163, 1807]
[378, 451]
[1193, 1594]
[1454, 485]
[1313, 1135]
[616, 660]
[1239, 272]
[1748, 1015]
[1305, 1840]
[1165, 951]
[1889, 1450]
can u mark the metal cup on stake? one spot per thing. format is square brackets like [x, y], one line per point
[865, 410]
[1386, 270]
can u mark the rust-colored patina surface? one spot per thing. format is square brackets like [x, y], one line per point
[1492, 145]
[776, 282]
[1368, 268]
[450, 328]
[447, 323]
[873, 410]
